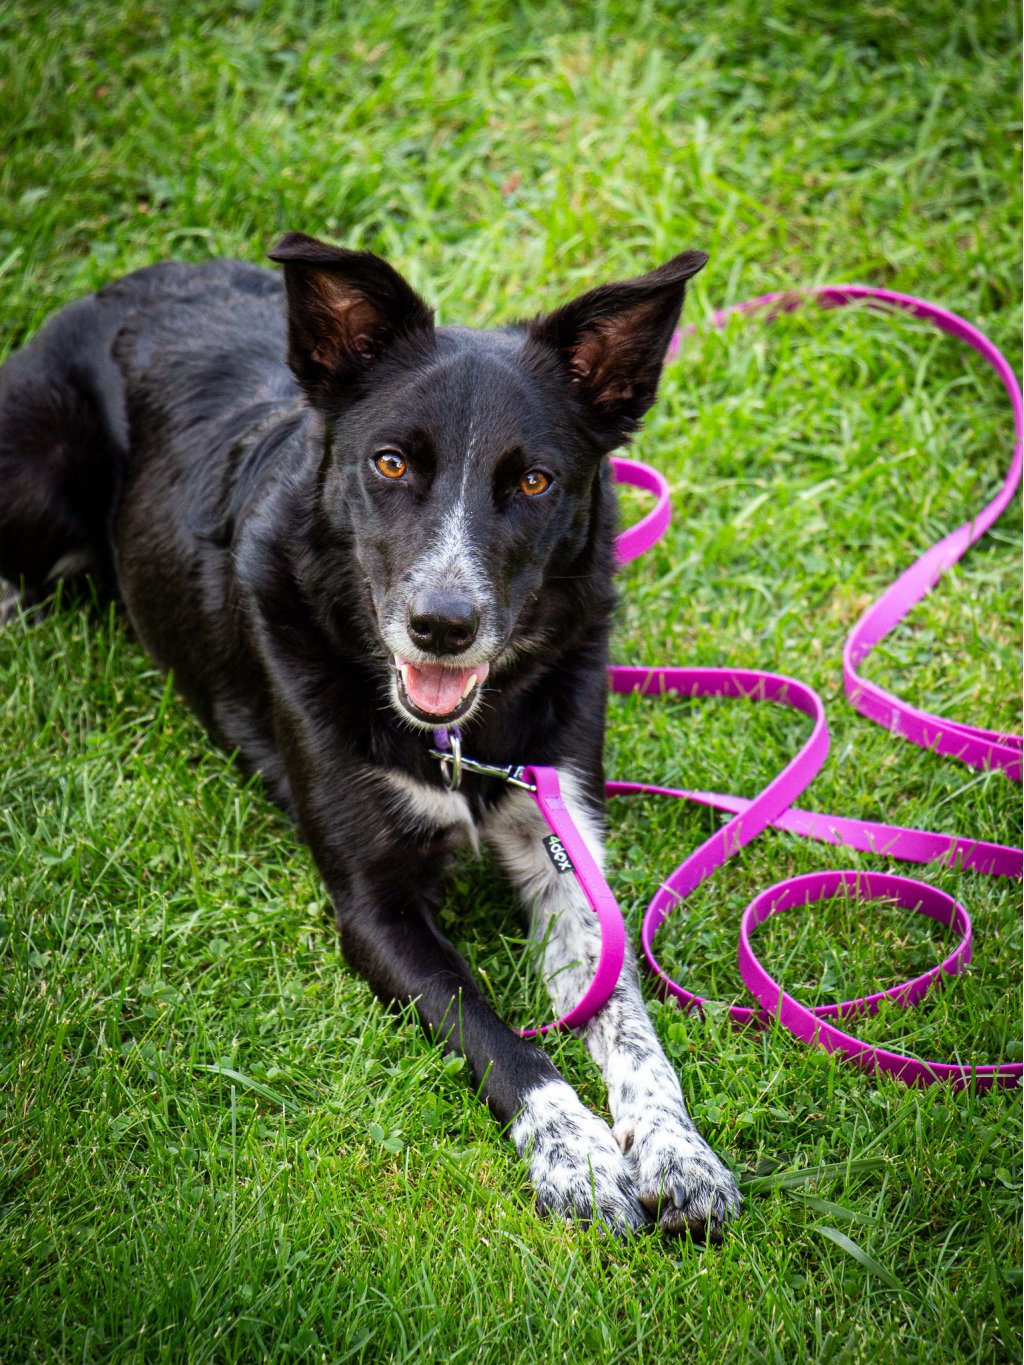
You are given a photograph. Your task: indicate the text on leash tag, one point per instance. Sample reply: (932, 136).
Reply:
(557, 853)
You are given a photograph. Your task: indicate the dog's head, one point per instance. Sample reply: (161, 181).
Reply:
(463, 467)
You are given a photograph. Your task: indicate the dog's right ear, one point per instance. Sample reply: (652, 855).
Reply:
(345, 308)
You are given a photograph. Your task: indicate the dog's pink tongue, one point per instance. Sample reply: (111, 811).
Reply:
(438, 690)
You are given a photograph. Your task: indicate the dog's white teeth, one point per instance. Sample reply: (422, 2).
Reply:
(469, 686)
(404, 672)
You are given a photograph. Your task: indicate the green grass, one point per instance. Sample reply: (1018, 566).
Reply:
(215, 1146)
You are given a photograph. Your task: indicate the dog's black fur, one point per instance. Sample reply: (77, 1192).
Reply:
(153, 436)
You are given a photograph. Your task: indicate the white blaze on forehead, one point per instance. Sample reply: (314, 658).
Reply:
(453, 560)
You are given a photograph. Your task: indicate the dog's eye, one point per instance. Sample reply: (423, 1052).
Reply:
(534, 482)
(391, 464)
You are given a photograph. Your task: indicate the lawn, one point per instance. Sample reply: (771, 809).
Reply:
(215, 1145)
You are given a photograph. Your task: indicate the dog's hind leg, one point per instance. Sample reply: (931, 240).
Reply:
(678, 1177)
(62, 443)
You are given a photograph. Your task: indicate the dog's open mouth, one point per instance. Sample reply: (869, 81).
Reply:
(437, 693)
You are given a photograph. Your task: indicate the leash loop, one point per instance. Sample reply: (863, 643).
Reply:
(773, 806)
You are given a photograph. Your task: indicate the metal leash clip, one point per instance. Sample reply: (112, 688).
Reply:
(454, 763)
(449, 751)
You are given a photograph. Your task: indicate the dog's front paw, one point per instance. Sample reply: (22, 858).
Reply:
(677, 1175)
(575, 1164)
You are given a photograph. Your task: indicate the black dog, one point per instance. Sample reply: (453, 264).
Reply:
(403, 527)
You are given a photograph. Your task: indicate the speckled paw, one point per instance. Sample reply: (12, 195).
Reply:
(680, 1181)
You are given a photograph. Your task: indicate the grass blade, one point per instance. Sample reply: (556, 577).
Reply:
(834, 1170)
(257, 1087)
(858, 1253)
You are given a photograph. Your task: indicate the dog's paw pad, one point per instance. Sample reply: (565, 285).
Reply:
(678, 1178)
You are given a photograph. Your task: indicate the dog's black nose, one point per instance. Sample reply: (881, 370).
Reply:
(443, 622)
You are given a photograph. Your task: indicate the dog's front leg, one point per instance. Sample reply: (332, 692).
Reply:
(389, 936)
(384, 889)
(678, 1177)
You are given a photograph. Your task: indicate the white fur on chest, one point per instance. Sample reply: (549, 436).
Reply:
(516, 830)
(430, 809)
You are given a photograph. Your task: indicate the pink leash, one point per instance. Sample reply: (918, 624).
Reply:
(774, 805)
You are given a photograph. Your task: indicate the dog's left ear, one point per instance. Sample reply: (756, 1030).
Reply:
(345, 308)
(612, 341)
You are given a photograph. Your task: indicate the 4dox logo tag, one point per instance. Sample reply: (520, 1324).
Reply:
(557, 853)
